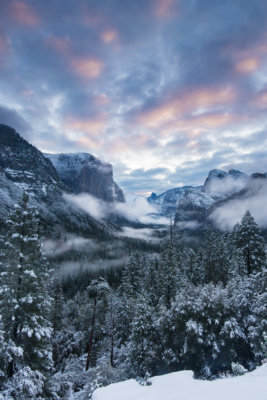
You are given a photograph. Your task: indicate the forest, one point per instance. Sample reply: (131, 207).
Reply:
(201, 307)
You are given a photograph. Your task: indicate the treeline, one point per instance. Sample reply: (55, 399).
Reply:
(198, 309)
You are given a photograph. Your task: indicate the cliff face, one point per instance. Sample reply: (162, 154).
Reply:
(84, 173)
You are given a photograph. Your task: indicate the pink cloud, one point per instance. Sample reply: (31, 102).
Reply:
(163, 8)
(247, 65)
(24, 14)
(93, 126)
(183, 104)
(109, 35)
(87, 67)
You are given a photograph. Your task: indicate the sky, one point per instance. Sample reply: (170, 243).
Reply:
(164, 90)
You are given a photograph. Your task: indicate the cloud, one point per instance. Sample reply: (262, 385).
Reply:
(13, 118)
(93, 206)
(56, 247)
(134, 84)
(109, 35)
(143, 234)
(227, 215)
(135, 209)
(24, 14)
(228, 185)
(184, 103)
(87, 67)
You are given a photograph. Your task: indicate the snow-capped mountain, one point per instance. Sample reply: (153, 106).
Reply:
(84, 173)
(191, 206)
(218, 185)
(166, 203)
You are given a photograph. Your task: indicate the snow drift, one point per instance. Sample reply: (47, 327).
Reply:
(182, 386)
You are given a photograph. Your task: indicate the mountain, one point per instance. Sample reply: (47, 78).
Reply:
(24, 168)
(225, 212)
(192, 206)
(84, 173)
(220, 184)
(166, 203)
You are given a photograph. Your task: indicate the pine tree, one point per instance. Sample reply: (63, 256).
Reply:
(25, 304)
(213, 263)
(250, 241)
(96, 288)
(169, 270)
(131, 277)
(142, 347)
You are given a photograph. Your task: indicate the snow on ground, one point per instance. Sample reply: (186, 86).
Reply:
(182, 386)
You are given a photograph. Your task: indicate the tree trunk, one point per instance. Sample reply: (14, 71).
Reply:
(248, 261)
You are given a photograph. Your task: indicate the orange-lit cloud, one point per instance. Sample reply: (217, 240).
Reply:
(127, 144)
(87, 67)
(195, 126)
(109, 35)
(24, 14)
(184, 104)
(88, 142)
(93, 126)
(248, 65)
(163, 8)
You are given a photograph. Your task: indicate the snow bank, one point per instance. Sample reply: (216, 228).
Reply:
(182, 386)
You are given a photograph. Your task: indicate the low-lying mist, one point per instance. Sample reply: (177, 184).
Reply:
(228, 214)
(137, 209)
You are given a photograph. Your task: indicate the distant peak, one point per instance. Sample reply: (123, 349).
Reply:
(152, 196)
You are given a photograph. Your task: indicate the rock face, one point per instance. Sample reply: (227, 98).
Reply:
(84, 173)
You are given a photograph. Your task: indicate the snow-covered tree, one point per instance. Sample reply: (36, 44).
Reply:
(142, 347)
(212, 260)
(25, 302)
(250, 241)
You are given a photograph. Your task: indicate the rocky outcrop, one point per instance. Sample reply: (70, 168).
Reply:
(84, 173)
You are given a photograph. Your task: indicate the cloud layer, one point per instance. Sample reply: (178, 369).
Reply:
(163, 89)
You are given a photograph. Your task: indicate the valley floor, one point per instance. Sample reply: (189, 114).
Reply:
(181, 386)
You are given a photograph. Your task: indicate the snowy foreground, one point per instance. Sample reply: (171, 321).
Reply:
(182, 386)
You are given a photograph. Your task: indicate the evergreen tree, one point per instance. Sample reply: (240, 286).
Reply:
(131, 277)
(142, 347)
(213, 262)
(250, 241)
(25, 302)
(169, 270)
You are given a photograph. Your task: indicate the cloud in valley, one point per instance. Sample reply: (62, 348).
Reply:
(135, 209)
(227, 215)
